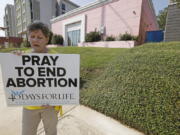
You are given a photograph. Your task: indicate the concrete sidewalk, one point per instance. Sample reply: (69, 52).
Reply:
(77, 120)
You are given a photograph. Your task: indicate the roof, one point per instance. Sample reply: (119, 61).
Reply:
(72, 3)
(81, 9)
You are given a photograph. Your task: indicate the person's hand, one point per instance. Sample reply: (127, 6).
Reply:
(18, 52)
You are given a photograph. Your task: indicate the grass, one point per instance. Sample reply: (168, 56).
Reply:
(141, 89)
(7, 50)
(93, 60)
(138, 86)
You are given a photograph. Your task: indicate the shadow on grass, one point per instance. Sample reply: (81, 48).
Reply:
(82, 83)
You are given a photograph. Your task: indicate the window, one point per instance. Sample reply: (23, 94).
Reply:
(73, 37)
(63, 6)
(32, 15)
(31, 5)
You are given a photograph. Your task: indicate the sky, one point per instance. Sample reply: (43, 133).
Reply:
(158, 5)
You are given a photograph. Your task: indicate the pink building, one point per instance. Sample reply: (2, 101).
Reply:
(110, 17)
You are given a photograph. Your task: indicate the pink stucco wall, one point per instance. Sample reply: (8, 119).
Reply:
(57, 27)
(118, 17)
(148, 20)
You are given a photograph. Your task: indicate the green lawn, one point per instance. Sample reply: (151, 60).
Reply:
(139, 87)
(7, 50)
(93, 60)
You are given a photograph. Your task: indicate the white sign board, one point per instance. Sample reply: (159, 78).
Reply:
(40, 79)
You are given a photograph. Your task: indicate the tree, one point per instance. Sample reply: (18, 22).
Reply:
(177, 1)
(161, 18)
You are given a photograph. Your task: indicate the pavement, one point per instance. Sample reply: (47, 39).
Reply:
(77, 120)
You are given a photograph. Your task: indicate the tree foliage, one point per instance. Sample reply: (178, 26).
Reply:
(177, 1)
(161, 18)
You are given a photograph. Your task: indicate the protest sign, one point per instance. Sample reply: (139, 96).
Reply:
(40, 79)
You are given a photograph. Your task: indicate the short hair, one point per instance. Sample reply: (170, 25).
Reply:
(39, 26)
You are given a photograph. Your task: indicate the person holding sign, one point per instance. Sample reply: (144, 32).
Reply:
(39, 36)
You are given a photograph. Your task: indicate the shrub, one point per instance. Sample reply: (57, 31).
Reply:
(57, 39)
(110, 38)
(1, 46)
(93, 37)
(128, 36)
(135, 38)
(9, 45)
(25, 43)
(50, 37)
(15, 45)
